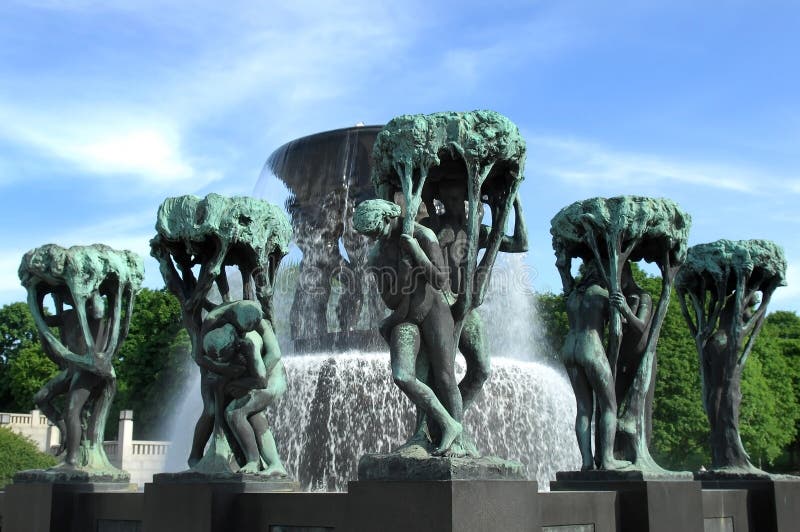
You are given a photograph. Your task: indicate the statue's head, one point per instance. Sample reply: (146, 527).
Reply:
(216, 342)
(591, 274)
(376, 217)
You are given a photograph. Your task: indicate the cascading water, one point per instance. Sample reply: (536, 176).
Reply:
(340, 407)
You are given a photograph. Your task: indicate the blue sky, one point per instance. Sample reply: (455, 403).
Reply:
(107, 107)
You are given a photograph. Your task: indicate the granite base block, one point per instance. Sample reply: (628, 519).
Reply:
(57, 506)
(79, 479)
(442, 506)
(201, 502)
(239, 482)
(565, 511)
(647, 504)
(725, 510)
(772, 502)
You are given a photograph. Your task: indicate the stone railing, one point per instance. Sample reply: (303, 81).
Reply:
(141, 458)
(150, 448)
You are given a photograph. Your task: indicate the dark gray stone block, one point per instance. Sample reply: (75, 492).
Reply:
(212, 498)
(773, 504)
(244, 482)
(46, 506)
(442, 506)
(645, 505)
(597, 511)
(290, 512)
(723, 509)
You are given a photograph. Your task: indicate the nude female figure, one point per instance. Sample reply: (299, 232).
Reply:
(584, 356)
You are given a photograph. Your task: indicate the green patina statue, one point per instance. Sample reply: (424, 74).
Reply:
(719, 290)
(92, 289)
(234, 345)
(433, 174)
(606, 302)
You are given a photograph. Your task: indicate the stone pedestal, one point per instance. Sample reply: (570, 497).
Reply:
(568, 511)
(442, 506)
(772, 501)
(49, 506)
(202, 503)
(648, 503)
(725, 511)
(421, 466)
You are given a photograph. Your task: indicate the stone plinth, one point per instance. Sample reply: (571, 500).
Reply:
(77, 479)
(648, 502)
(415, 463)
(597, 511)
(772, 500)
(725, 510)
(442, 506)
(200, 502)
(49, 506)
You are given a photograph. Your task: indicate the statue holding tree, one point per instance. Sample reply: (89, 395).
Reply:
(614, 327)
(92, 290)
(232, 337)
(724, 289)
(432, 175)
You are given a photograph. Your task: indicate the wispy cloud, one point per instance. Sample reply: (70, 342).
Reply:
(104, 146)
(142, 120)
(578, 162)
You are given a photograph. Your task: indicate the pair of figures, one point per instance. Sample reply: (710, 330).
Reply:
(233, 342)
(584, 354)
(419, 276)
(610, 351)
(243, 374)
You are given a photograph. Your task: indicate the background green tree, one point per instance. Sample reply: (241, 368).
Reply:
(19, 338)
(18, 453)
(153, 365)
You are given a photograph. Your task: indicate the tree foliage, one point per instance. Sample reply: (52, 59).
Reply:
(18, 453)
(22, 362)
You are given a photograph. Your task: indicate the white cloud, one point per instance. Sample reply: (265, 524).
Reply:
(106, 143)
(584, 163)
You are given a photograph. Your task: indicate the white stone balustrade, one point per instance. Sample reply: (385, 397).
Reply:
(141, 458)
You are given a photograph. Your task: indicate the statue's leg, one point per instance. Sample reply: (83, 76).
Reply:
(276, 386)
(403, 347)
(237, 414)
(583, 419)
(43, 399)
(205, 424)
(79, 391)
(472, 344)
(437, 333)
(103, 396)
(601, 380)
